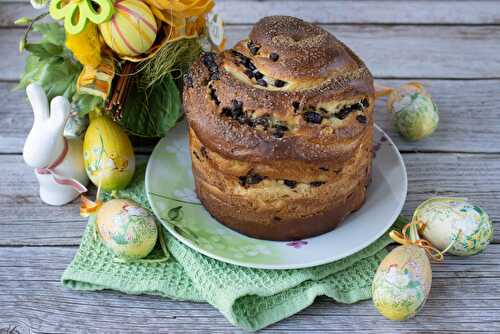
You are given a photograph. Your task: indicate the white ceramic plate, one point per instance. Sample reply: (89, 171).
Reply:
(170, 190)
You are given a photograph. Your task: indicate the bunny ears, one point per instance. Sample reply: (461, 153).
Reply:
(39, 103)
(46, 135)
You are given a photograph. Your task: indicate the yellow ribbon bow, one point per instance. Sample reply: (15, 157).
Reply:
(89, 207)
(403, 238)
(98, 65)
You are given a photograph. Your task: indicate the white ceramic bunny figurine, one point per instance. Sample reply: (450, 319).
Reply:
(58, 161)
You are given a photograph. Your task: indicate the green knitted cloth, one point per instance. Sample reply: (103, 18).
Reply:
(248, 298)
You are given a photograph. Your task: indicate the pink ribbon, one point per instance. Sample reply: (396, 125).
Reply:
(64, 181)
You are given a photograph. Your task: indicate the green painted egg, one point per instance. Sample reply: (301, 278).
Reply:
(126, 228)
(447, 219)
(415, 116)
(402, 282)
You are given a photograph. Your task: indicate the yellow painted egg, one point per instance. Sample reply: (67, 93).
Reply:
(456, 222)
(132, 29)
(126, 228)
(402, 282)
(108, 154)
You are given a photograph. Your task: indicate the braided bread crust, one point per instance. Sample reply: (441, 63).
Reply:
(281, 130)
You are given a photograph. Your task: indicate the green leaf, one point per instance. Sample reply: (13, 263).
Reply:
(52, 66)
(175, 213)
(413, 285)
(478, 210)
(120, 239)
(51, 32)
(44, 50)
(23, 21)
(30, 69)
(60, 78)
(57, 76)
(22, 45)
(185, 232)
(152, 112)
(85, 103)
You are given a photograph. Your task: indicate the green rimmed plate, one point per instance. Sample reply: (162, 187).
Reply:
(170, 191)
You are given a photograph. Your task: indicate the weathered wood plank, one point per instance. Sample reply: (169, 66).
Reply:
(11, 61)
(16, 118)
(416, 51)
(465, 297)
(365, 12)
(468, 110)
(344, 12)
(389, 51)
(469, 119)
(25, 220)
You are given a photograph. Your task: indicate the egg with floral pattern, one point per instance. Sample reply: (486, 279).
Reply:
(126, 228)
(402, 282)
(456, 222)
(415, 115)
(108, 154)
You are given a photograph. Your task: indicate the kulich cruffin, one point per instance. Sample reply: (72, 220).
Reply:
(281, 130)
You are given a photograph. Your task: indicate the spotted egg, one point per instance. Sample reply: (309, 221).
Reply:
(126, 228)
(402, 282)
(456, 222)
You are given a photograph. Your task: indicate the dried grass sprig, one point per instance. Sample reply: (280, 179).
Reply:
(172, 57)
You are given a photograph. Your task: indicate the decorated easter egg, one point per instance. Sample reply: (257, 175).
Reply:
(415, 115)
(455, 221)
(215, 27)
(108, 154)
(127, 229)
(76, 125)
(402, 282)
(132, 29)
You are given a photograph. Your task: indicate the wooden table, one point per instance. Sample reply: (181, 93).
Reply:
(451, 46)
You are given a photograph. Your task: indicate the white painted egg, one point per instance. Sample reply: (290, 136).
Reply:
(126, 228)
(402, 282)
(447, 219)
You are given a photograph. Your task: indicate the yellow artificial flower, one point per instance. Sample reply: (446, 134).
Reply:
(183, 16)
(172, 10)
(86, 46)
(192, 28)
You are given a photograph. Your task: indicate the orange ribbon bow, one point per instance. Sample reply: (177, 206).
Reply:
(404, 239)
(89, 207)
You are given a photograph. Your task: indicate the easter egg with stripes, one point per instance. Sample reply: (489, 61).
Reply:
(132, 29)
